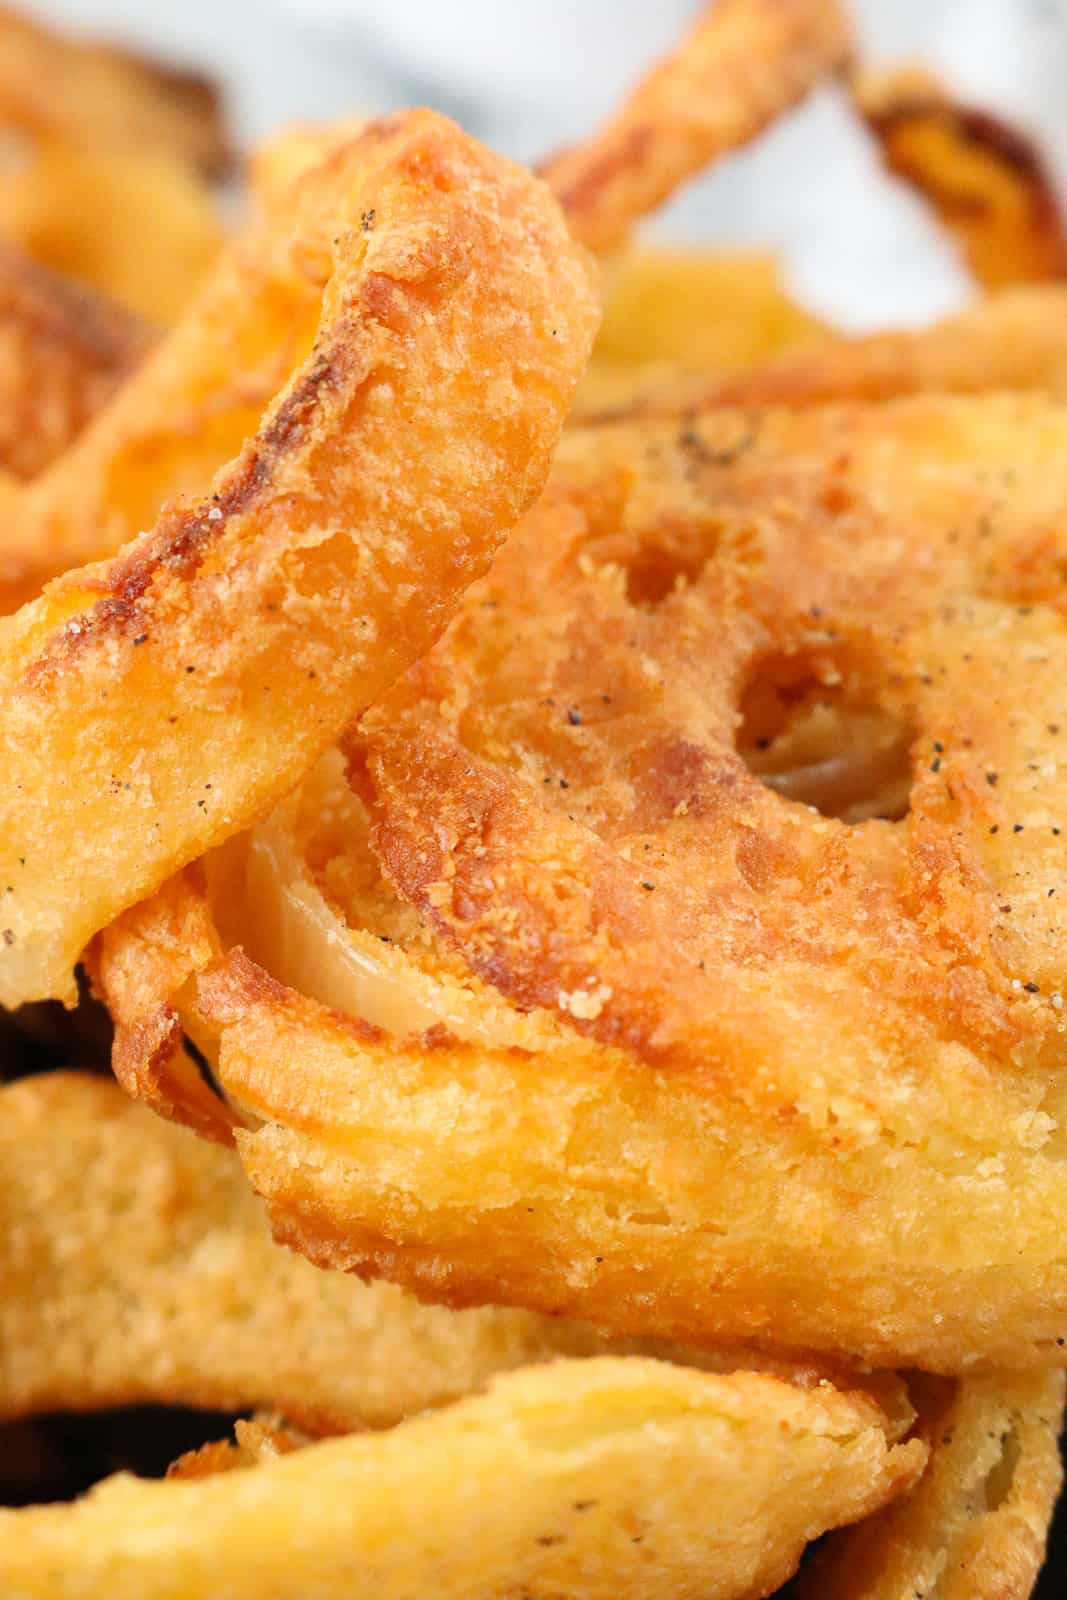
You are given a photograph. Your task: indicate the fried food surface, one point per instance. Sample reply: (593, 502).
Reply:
(98, 94)
(975, 1526)
(254, 1443)
(136, 1267)
(63, 352)
(1015, 339)
(741, 66)
(599, 1478)
(191, 681)
(986, 181)
(743, 1009)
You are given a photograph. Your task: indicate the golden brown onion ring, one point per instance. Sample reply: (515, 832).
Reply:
(871, 1055)
(63, 352)
(743, 63)
(581, 1478)
(136, 1267)
(100, 94)
(985, 180)
(254, 1443)
(975, 1526)
(189, 682)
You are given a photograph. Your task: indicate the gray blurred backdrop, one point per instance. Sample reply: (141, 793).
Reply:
(529, 74)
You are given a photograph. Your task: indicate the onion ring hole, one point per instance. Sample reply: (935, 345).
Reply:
(815, 732)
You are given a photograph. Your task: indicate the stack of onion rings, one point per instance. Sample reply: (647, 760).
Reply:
(673, 945)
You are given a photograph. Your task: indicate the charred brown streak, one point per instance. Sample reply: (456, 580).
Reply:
(180, 542)
(982, 131)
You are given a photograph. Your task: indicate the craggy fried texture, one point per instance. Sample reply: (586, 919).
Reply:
(136, 1267)
(98, 94)
(790, 1079)
(189, 682)
(63, 353)
(602, 1478)
(985, 181)
(137, 224)
(975, 1526)
(253, 1444)
(741, 66)
(1014, 339)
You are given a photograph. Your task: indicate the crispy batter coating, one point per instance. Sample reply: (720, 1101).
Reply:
(137, 224)
(985, 180)
(189, 682)
(790, 1078)
(743, 63)
(604, 1478)
(63, 352)
(136, 1267)
(1014, 339)
(975, 1526)
(99, 94)
(253, 1444)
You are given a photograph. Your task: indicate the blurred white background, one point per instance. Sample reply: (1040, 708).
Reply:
(530, 74)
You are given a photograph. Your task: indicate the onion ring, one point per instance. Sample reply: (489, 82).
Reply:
(192, 680)
(157, 1283)
(63, 352)
(975, 1526)
(89, 92)
(984, 179)
(742, 65)
(254, 1443)
(648, 1477)
(618, 1153)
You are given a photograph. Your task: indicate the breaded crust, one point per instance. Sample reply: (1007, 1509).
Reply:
(742, 65)
(190, 681)
(748, 1010)
(596, 1478)
(54, 83)
(985, 180)
(64, 351)
(975, 1526)
(136, 1267)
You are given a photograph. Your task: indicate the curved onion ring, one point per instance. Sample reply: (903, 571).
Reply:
(668, 1480)
(985, 180)
(188, 683)
(742, 65)
(976, 1525)
(157, 1282)
(853, 1088)
(63, 352)
(103, 95)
